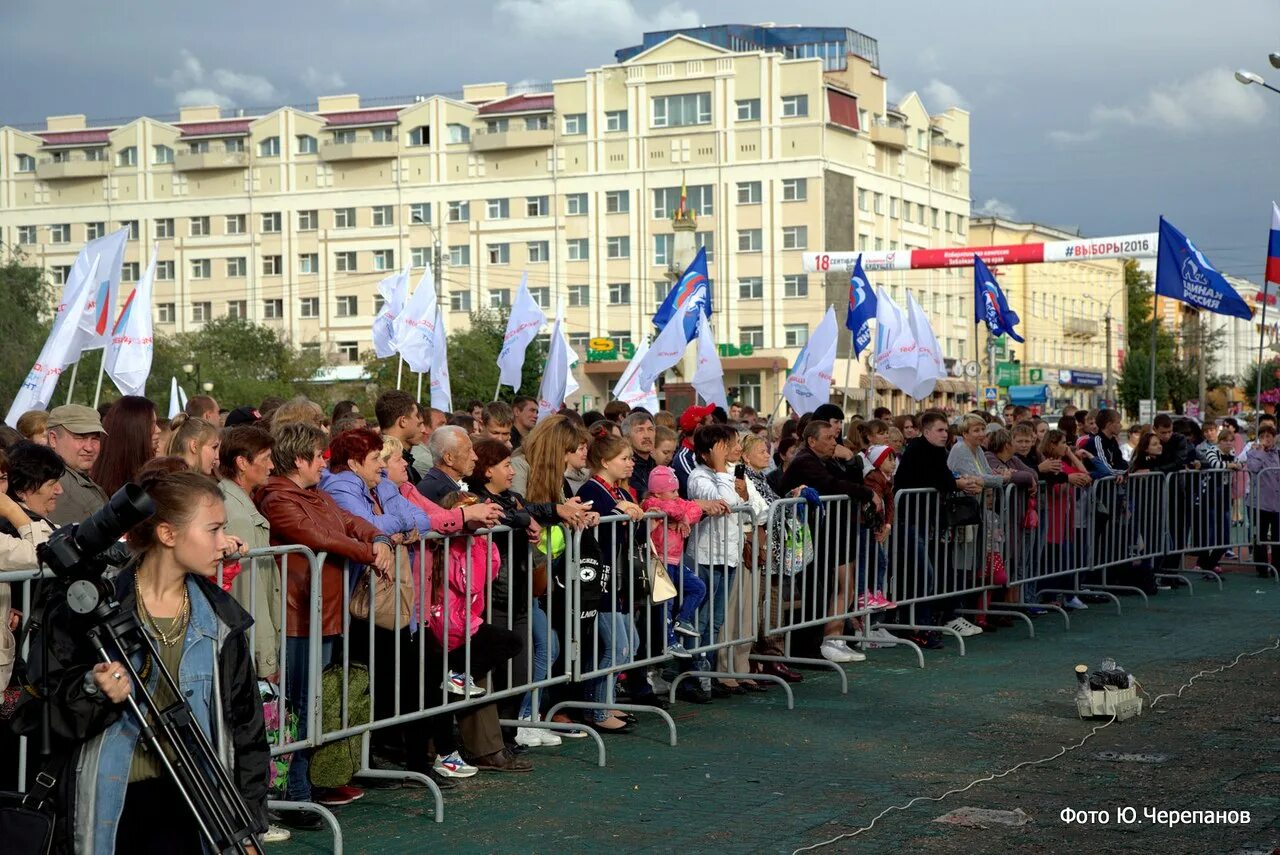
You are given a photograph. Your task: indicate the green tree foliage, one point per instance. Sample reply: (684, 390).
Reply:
(1270, 380)
(27, 298)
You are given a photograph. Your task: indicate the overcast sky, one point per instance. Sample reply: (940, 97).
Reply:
(1100, 115)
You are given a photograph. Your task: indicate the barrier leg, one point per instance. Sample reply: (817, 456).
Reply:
(367, 771)
(1097, 590)
(609, 705)
(1031, 630)
(919, 627)
(733, 675)
(323, 812)
(800, 660)
(561, 727)
(1049, 607)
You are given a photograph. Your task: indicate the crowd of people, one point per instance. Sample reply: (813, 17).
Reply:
(706, 493)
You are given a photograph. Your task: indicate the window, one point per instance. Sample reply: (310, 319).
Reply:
(61, 232)
(795, 237)
(748, 192)
(661, 288)
(129, 271)
(960, 223)
(459, 301)
(237, 268)
(578, 249)
(617, 201)
(575, 123)
(707, 241)
(199, 227)
(273, 310)
(579, 295)
(795, 335)
(749, 110)
(749, 240)
(667, 199)
(878, 202)
(384, 215)
(618, 247)
(499, 253)
(164, 270)
(344, 262)
(271, 222)
(751, 288)
(795, 105)
(344, 218)
(127, 156)
(201, 312)
(906, 210)
(933, 212)
(536, 123)
(93, 231)
(26, 163)
(272, 265)
(675, 111)
(893, 207)
(238, 309)
(164, 313)
(922, 142)
(309, 262)
(309, 307)
(615, 120)
(795, 189)
(920, 214)
(130, 226)
(620, 339)
(235, 224)
(460, 255)
(948, 221)
(161, 154)
(497, 126)
(306, 144)
(420, 135)
(579, 341)
(795, 285)
(344, 136)
(537, 206)
(497, 209)
(27, 234)
(879, 244)
(541, 296)
(234, 144)
(348, 351)
(619, 293)
(308, 221)
(420, 256)
(753, 336)
(459, 212)
(862, 200)
(384, 259)
(270, 147)
(382, 135)
(60, 273)
(201, 268)
(575, 204)
(663, 246)
(539, 251)
(458, 134)
(749, 389)
(420, 212)
(348, 307)
(499, 298)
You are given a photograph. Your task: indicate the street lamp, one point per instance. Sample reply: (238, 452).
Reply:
(192, 370)
(1274, 57)
(207, 386)
(1247, 77)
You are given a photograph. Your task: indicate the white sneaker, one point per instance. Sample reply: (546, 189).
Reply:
(276, 834)
(963, 628)
(835, 650)
(454, 766)
(533, 737)
(879, 637)
(1075, 603)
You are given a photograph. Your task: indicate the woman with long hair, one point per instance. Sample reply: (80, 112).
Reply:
(131, 429)
(196, 441)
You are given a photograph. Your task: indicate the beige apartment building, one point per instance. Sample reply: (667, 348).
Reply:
(292, 218)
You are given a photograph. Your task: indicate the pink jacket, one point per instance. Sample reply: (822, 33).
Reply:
(667, 539)
(465, 613)
(442, 522)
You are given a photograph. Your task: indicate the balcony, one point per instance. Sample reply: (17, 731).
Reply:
(889, 136)
(1079, 328)
(214, 157)
(519, 138)
(75, 165)
(945, 153)
(363, 147)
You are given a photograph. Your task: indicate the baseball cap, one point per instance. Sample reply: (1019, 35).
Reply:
(76, 418)
(693, 416)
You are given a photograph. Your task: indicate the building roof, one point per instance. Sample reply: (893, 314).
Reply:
(370, 116)
(524, 103)
(89, 136)
(217, 127)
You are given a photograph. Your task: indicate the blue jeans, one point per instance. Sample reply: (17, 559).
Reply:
(297, 688)
(692, 593)
(618, 638)
(546, 649)
(718, 579)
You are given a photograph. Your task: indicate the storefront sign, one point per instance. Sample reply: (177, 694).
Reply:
(1066, 377)
(1008, 373)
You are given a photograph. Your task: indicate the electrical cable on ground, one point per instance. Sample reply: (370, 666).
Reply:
(1061, 751)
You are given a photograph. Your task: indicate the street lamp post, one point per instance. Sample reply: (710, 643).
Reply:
(1247, 77)
(192, 370)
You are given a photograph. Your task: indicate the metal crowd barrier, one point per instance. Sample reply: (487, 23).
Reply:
(1262, 510)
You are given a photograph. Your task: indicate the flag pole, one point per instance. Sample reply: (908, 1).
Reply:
(848, 369)
(72, 385)
(419, 385)
(399, 372)
(496, 390)
(97, 392)
(1154, 331)
(1262, 335)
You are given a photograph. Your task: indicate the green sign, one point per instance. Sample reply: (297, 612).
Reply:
(735, 349)
(628, 351)
(1036, 375)
(1008, 373)
(1001, 349)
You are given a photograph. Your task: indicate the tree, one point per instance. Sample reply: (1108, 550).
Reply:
(27, 298)
(1270, 379)
(1135, 376)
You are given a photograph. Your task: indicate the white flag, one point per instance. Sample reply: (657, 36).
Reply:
(177, 397)
(523, 325)
(809, 384)
(896, 359)
(628, 391)
(97, 268)
(128, 356)
(393, 289)
(61, 348)
(441, 394)
(415, 325)
(557, 373)
(708, 377)
(929, 365)
(669, 346)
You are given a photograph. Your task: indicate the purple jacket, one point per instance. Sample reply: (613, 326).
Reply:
(398, 513)
(1023, 475)
(1264, 485)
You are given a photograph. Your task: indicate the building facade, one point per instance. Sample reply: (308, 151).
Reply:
(292, 218)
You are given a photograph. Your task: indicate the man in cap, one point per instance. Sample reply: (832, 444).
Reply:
(76, 433)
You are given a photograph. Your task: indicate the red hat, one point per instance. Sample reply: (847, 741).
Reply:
(694, 416)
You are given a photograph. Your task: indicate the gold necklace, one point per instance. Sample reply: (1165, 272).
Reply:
(178, 629)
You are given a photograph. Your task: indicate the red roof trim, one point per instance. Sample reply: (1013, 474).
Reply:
(363, 117)
(215, 128)
(520, 104)
(96, 136)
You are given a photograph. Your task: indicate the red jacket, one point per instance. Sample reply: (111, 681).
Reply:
(312, 518)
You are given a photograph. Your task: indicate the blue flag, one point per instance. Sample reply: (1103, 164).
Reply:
(862, 308)
(695, 279)
(990, 305)
(1183, 273)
